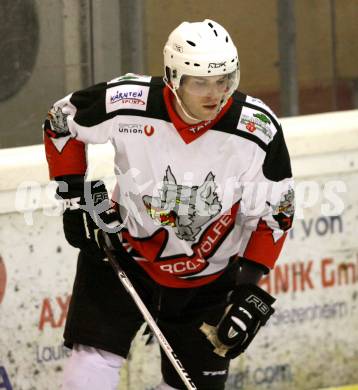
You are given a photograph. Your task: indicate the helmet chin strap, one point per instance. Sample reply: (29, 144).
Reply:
(181, 103)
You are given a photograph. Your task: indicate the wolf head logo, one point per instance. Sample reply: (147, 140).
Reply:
(284, 211)
(184, 208)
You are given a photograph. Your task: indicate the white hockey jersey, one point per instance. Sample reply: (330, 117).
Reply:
(191, 198)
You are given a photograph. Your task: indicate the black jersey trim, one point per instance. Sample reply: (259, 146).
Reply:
(228, 124)
(252, 138)
(154, 81)
(277, 165)
(90, 103)
(241, 97)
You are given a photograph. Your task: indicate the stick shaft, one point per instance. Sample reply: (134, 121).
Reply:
(149, 319)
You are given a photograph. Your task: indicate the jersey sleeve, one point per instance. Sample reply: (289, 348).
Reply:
(83, 115)
(65, 156)
(71, 123)
(267, 204)
(89, 117)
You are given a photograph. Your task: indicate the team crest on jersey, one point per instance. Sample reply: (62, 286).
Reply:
(186, 209)
(283, 212)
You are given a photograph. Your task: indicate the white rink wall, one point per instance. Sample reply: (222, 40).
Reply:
(312, 340)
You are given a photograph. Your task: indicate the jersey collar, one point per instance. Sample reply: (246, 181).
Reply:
(188, 132)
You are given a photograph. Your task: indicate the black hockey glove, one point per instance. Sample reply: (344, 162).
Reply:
(87, 209)
(249, 309)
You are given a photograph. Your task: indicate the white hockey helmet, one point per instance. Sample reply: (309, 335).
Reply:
(200, 49)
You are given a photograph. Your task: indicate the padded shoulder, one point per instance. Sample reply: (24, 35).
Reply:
(257, 119)
(126, 95)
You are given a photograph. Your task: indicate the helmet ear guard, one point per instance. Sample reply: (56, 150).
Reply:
(170, 74)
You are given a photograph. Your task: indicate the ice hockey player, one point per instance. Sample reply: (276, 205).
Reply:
(200, 211)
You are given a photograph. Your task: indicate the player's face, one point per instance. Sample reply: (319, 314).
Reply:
(202, 96)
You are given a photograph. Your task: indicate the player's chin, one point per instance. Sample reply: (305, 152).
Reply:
(208, 117)
(208, 114)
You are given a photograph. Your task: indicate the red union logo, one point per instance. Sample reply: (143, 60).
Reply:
(2, 279)
(148, 130)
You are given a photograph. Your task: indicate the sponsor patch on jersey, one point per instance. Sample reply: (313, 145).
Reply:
(136, 128)
(127, 97)
(258, 124)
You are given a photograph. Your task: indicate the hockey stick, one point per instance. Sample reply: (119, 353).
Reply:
(147, 316)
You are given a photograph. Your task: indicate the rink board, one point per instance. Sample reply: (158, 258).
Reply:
(311, 341)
